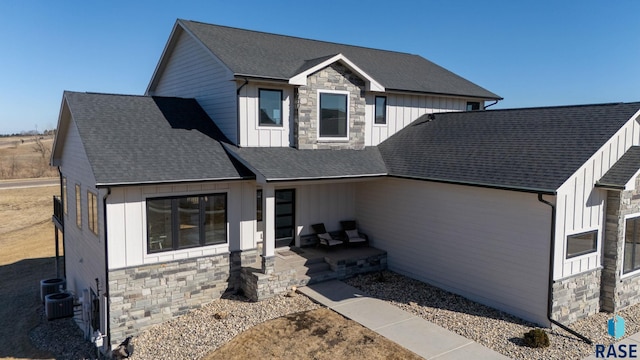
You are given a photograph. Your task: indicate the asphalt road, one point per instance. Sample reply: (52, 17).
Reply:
(27, 183)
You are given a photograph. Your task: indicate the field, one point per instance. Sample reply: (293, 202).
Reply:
(24, 157)
(27, 256)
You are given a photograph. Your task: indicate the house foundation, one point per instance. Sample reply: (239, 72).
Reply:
(576, 297)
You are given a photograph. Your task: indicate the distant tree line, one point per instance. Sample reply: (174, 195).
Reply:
(31, 133)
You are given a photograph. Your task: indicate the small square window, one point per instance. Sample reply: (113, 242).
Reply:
(580, 244)
(473, 105)
(381, 110)
(270, 107)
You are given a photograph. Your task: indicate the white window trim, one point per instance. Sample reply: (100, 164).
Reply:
(283, 104)
(596, 252)
(386, 109)
(333, 139)
(624, 231)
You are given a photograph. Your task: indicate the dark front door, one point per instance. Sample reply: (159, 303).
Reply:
(285, 216)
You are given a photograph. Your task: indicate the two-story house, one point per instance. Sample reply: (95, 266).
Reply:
(245, 139)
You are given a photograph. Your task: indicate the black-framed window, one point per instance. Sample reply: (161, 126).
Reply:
(186, 222)
(92, 211)
(334, 115)
(631, 245)
(381, 110)
(473, 105)
(580, 244)
(270, 107)
(259, 205)
(78, 207)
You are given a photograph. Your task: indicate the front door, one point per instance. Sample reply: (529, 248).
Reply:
(285, 217)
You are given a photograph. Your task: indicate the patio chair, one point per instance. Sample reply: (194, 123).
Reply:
(353, 236)
(324, 238)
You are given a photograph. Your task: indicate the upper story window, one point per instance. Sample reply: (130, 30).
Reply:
(580, 244)
(78, 207)
(92, 211)
(186, 222)
(270, 107)
(473, 105)
(333, 115)
(64, 196)
(381, 110)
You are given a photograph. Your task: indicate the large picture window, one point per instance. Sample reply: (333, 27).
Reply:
(333, 115)
(381, 110)
(270, 107)
(580, 244)
(631, 245)
(186, 222)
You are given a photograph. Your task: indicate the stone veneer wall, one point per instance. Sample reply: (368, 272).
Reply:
(151, 294)
(576, 297)
(617, 292)
(333, 77)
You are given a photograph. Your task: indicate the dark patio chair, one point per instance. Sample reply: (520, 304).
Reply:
(324, 237)
(351, 233)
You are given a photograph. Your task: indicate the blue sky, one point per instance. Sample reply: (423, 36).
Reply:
(535, 53)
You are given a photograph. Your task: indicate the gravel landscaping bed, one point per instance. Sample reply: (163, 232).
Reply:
(492, 328)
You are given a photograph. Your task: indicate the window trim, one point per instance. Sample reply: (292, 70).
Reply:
(268, 125)
(174, 216)
(595, 232)
(472, 103)
(635, 271)
(78, 206)
(92, 211)
(375, 111)
(348, 97)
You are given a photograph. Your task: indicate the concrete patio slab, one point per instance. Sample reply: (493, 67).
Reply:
(332, 293)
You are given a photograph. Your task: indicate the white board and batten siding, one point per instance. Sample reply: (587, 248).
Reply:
(252, 134)
(402, 109)
(581, 207)
(127, 221)
(491, 246)
(84, 250)
(193, 72)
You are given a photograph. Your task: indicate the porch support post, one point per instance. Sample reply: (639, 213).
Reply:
(269, 238)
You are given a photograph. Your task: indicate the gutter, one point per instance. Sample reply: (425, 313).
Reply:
(106, 293)
(551, 261)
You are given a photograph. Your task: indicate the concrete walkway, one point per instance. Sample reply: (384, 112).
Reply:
(414, 333)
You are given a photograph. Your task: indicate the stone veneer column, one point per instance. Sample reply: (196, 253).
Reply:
(618, 292)
(333, 77)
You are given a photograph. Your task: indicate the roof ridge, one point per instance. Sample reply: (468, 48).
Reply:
(543, 107)
(301, 38)
(126, 95)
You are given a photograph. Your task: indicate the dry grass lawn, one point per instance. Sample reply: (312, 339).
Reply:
(316, 334)
(28, 248)
(23, 157)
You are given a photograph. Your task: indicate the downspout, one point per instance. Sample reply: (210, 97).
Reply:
(485, 108)
(64, 250)
(551, 263)
(246, 81)
(106, 293)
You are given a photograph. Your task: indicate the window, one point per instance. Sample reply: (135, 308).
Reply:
(259, 205)
(631, 245)
(580, 244)
(381, 110)
(186, 222)
(270, 107)
(64, 195)
(78, 207)
(333, 115)
(92, 210)
(473, 105)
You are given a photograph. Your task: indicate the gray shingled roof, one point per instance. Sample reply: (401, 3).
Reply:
(535, 149)
(252, 53)
(277, 164)
(623, 170)
(142, 139)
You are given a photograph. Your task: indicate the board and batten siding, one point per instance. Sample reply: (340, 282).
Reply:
(193, 72)
(581, 207)
(491, 246)
(127, 222)
(402, 109)
(254, 135)
(84, 250)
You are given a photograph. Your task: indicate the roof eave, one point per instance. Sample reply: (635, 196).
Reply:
(331, 177)
(177, 181)
(482, 185)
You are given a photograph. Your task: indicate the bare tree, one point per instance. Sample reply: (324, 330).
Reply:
(40, 147)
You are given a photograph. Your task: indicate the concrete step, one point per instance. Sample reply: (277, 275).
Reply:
(322, 276)
(317, 267)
